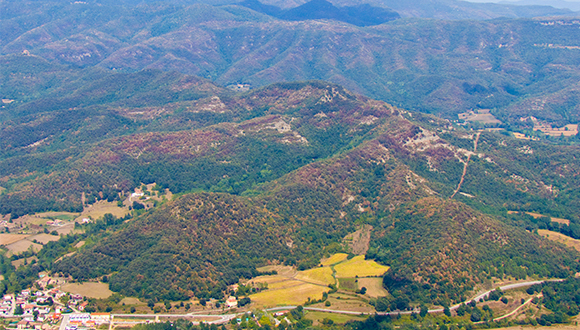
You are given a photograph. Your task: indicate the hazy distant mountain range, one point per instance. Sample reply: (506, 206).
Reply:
(574, 6)
(517, 68)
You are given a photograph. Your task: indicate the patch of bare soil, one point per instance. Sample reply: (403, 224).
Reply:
(358, 242)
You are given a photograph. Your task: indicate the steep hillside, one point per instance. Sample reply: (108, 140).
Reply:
(516, 68)
(443, 246)
(384, 169)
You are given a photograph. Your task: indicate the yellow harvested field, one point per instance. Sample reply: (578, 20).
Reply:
(6, 239)
(90, 289)
(321, 275)
(44, 238)
(23, 245)
(100, 208)
(374, 286)
(557, 237)
(268, 279)
(334, 259)
(295, 295)
(284, 285)
(360, 267)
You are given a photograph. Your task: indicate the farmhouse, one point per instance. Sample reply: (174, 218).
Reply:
(232, 302)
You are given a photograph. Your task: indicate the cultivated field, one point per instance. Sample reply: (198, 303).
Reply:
(90, 289)
(334, 259)
(294, 295)
(291, 287)
(374, 286)
(360, 267)
(347, 283)
(66, 229)
(6, 239)
(23, 245)
(45, 238)
(557, 237)
(286, 284)
(321, 275)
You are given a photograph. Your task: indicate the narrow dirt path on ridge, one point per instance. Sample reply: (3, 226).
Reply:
(465, 166)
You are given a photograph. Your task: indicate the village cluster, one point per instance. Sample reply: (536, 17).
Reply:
(44, 308)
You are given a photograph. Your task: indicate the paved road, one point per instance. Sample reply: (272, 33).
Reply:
(64, 322)
(224, 318)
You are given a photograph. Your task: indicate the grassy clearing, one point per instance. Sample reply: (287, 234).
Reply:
(374, 286)
(317, 317)
(295, 295)
(32, 220)
(131, 301)
(6, 239)
(334, 259)
(100, 208)
(347, 284)
(360, 267)
(90, 289)
(65, 216)
(321, 275)
(346, 303)
(45, 238)
(557, 237)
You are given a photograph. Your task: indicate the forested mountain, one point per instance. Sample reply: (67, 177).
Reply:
(317, 163)
(516, 68)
